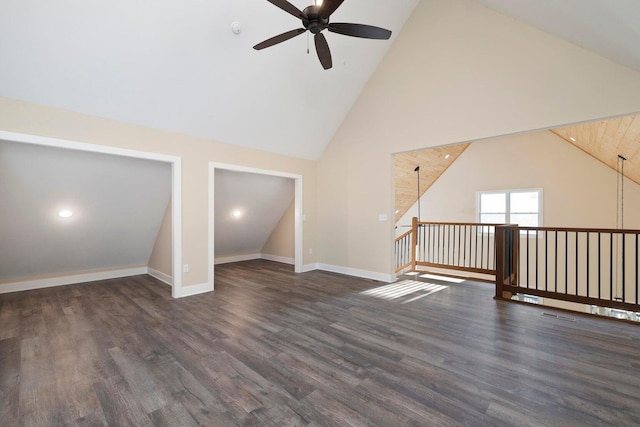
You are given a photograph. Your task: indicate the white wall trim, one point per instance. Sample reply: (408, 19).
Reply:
(237, 258)
(277, 258)
(365, 274)
(298, 223)
(176, 183)
(249, 257)
(191, 290)
(176, 226)
(164, 278)
(310, 267)
(83, 146)
(73, 279)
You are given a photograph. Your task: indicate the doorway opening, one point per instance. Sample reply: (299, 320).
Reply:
(244, 183)
(176, 199)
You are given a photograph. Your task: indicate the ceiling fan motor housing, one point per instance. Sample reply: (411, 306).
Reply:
(314, 22)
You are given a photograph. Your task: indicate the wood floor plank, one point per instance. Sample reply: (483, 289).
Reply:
(10, 381)
(273, 348)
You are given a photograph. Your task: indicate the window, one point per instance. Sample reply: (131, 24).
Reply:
(521, 207)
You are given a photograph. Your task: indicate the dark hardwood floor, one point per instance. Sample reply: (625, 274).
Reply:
(272, 348)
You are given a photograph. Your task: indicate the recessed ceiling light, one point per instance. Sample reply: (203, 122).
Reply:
(236, 213)
(572, 139)
(397, 211)
(447, 156)
(65, 213)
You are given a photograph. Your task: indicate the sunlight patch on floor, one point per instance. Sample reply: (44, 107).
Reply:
(442, 278)
(404, 288)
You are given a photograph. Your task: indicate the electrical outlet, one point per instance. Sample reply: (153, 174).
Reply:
(185, 268)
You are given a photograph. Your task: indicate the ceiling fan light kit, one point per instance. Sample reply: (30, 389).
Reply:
(315, 18)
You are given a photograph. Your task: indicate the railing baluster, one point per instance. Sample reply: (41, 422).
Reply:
(624, 269)
(475, 263)
(566, 262)
(555, 262)
(611, 268)
(439, 229)
(577, 234)
(464, 248)
(537, 265)
(518, 254)
(459, 238)
(493, 249)
(488, 242)
(588, 271)
(449, 256)
(528, 262)
(546, 260)
(599, 265)
(427, 254)
(482, 249)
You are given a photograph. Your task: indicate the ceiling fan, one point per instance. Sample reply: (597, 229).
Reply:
(315, 18)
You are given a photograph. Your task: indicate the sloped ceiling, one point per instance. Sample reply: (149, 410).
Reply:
(606, 27)
(177, 66)
(606, 139)
(118, 204)
(433, 163)
(261, 200)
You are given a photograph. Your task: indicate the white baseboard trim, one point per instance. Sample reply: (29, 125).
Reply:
(201, 288)
(365, 274)
(236, 258)
(28, 285)
(277, 258)
(164, 278)
(310, 267)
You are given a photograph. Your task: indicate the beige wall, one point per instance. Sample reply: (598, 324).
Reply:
(196, 153)
(578, 190)
(457, 72)
(161, 256)
(281, 242)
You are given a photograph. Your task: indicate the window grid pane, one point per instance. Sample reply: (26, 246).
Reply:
(517, 207)
(493, 203)
(524, 202)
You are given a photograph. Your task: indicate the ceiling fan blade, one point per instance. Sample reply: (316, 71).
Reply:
(329, 6)
(322, 48)
(279, 38)
(289, 8)
(360, 30)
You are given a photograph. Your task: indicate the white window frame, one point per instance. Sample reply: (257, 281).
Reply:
(508, 202)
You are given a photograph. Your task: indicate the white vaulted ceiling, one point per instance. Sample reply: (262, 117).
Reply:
(177, 66)
(606, 27)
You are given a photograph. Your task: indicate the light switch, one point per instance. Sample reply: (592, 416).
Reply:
(382, 217)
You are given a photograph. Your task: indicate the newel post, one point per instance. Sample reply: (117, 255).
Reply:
(506, 253)
(414, 242)
(500, 257)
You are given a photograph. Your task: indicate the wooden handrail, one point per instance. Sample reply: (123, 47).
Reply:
(581, 230)
(477, 224)
(403, 235)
